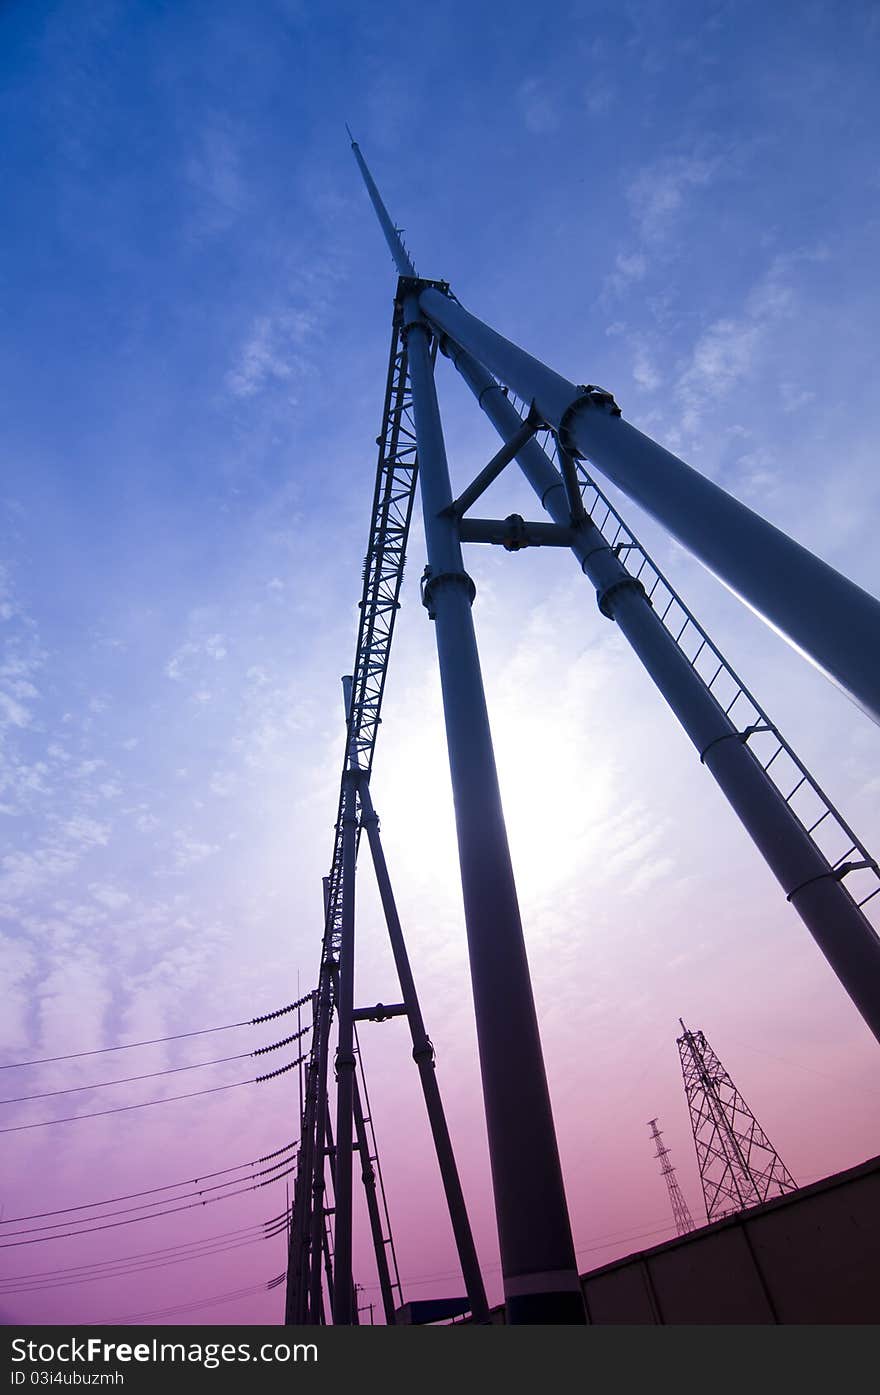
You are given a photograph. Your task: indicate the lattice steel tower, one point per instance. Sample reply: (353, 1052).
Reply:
(739, 1167)
(684, 1221)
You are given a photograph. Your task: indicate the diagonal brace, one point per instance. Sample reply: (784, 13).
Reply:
(490, 472)
(572, 486)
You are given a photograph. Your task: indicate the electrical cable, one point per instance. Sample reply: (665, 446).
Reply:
(150, 1191)
(142, 1254)
(156, 1041)
(154, 1074)
(122, 1272)
(133, 1220)
(187, 1307)
(145, 1205)
(146, 1104)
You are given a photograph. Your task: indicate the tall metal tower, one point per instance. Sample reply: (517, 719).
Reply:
(551, 427)
(739, 1167)
(684, 1221)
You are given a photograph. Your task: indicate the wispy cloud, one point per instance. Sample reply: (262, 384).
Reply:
(728, 352)
(645, 370)
(214, 171)
(629, 268)
(187, 659)
(658, 192)
(264, 358)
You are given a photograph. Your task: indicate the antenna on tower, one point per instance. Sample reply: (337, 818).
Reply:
(684, 1221)
(739, 1167)
(400, 256)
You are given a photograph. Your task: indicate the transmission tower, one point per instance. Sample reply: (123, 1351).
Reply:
(684, 1221)
(551, 427)
(739, 1167)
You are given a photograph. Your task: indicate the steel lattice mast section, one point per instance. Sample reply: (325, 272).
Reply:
(539, 1269)
(383, 572)
(383, 575)
(684, 1221)
(738, 1165)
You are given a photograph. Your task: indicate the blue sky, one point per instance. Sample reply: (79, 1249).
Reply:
(676, 200)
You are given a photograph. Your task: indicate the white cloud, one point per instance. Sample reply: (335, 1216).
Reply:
(12, 713)
(87, 832)
(794, 396)
(657, 193)
(728, 352)
(188, 850)
(109, 896)
(645, 371)
(222, 782)
(270, 353)
(214, 174)
(628, 268)
(185, 658)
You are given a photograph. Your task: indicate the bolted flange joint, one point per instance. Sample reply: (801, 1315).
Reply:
(590, 396)
(424, 1051)
(515, 538)
(429, 582)
(626, 583)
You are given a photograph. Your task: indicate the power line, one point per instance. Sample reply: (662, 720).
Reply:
(122, 1108)
(121, 1272)
(266, 1226)
(154, 1074)
(146, 1104)
(126, 1080)
(229, 1297)
(157, 1041)
(133, 1220)
(286, 1163)
(150, 1191)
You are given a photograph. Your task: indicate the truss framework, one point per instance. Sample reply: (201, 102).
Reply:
(391, 516)
(739, 1167)
(684, 1221)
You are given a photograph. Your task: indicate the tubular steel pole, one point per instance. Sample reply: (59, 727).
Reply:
(369, 1180)
(325, 1239)
(345, 1067)
(294, 1296)
(392, 236)
(423, 1055)
(537, 1255)
(842, 931)
(825, 616)
(312, 1291)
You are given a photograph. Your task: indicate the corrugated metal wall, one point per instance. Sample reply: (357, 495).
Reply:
(810, 1257)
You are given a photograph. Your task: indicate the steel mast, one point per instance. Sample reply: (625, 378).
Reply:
(684, 1221)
